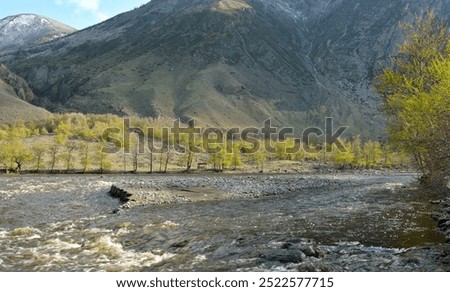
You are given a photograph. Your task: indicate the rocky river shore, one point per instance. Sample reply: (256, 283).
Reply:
(222, 222)
(303, 254)
(158, 190)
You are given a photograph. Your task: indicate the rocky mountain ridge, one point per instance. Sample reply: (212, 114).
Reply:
(14, 97)
(227, 62)
(27, 30)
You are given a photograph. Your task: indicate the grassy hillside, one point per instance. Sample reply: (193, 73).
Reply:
(13, 109)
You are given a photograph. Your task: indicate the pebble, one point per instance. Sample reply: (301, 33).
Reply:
(157, 190)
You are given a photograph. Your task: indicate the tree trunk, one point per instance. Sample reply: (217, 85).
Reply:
(151, 162)
(167, 160)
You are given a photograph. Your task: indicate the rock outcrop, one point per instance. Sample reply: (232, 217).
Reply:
(18, 84)
(120, 194)
(14, 96)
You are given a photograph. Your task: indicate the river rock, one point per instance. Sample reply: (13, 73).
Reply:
(294, 252)
(311, 251)
(120, 194)
(308, 247)
(444, 223)
(313, 268)
(284, 256)
(181, 244)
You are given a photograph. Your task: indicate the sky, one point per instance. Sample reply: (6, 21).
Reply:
(76, 13)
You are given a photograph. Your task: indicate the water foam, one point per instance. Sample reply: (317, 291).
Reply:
(67, 249)
(111, 256)
(169, 224)
(106, 247)
(25, 232)
(199, 258)
(58, 244)
(4, 195)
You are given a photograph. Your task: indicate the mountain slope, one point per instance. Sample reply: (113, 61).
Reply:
(13, 95)
(26, 30)
(226, 62)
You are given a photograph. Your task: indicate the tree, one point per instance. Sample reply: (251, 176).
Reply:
(168, 141)
(17, 154)
(215, 157)
(387, 155)
(260, 158)
(236, 158)
(135, 157)
(161, 159)
(150, 160)
(124, 161)
(416, 90)
(38, 154)
(5, 156)
(344, 158)
(19, 131)
(69, 147)
(54, 157)
(86, 160)
(58, 141)
(189, 143)
(63, 132)
(356, 151)
(102, 159)
(372, 153)
(219, 158)
(190, 154)
(169, 149)
(43, 131)
(3, 134)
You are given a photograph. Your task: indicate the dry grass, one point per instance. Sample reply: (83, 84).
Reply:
(229, 6)
(13, 109)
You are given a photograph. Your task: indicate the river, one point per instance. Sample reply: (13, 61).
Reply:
(67, 223)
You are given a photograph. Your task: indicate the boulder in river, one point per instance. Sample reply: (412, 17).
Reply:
(293, 252)
(120, 194)
(284, 256)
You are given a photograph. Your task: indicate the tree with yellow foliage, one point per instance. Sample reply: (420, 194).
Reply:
(416, 90)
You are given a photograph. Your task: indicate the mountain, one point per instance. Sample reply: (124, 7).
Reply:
(227, 62)
(14, 94)
(26, 30)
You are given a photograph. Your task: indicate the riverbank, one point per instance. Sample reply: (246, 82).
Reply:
(170, 189)
(304, 255)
